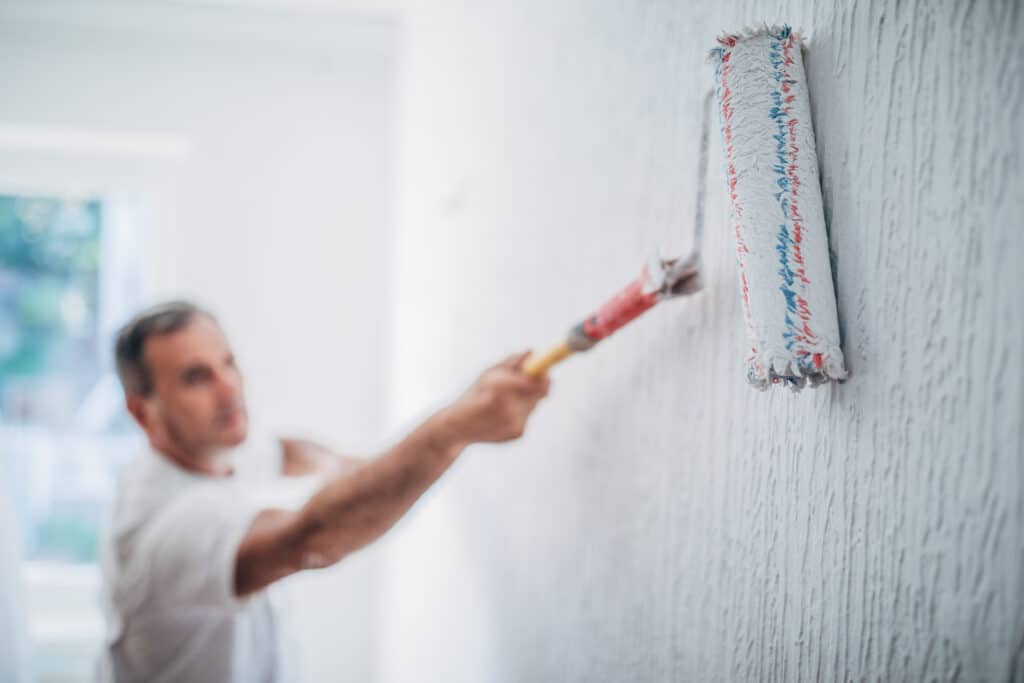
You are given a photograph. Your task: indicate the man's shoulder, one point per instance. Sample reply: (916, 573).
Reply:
(178, 527)
(152, 497)
(146, 488)
(145, 484)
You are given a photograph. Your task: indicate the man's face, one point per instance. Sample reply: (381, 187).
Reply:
(197, 403)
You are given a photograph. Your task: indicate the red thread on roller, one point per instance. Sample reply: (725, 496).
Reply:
(619, 310)
(725, 99)
(807, 337)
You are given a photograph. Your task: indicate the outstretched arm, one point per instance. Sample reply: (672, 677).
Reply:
(354, 509)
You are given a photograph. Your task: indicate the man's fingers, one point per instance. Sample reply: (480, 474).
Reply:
(540, 386)
(520, 383)
(510, 372)
(515, 361)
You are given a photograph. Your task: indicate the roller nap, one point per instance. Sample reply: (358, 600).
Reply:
(776, 210)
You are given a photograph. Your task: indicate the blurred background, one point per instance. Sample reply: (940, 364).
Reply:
(239, 154)
(379, 198)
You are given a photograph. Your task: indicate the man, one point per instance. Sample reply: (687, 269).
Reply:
(193, 553)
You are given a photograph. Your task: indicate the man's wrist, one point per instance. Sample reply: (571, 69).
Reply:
(446, 432)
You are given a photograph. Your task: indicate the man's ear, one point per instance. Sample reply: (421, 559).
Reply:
(136, 405)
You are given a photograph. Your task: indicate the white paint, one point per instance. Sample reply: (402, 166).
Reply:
(775, 210)
(660, 521)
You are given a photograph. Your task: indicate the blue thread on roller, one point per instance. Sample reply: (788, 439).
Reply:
(778, 114)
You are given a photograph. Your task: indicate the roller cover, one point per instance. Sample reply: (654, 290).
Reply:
(776, 211)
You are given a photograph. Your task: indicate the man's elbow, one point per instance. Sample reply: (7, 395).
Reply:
(318, 544)
(272, 549)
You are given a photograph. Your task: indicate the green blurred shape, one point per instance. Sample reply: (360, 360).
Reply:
(67, 539)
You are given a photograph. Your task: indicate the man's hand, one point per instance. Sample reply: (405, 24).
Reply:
(355, 509)
(495, 408)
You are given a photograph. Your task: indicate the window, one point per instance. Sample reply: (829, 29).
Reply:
(66, 281)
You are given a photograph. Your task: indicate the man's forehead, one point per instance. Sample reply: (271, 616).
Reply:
(199, 341)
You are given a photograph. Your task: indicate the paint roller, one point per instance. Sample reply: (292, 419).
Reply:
(776, 212)
(776, 215)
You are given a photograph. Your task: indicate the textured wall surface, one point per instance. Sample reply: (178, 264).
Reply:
(661, 520)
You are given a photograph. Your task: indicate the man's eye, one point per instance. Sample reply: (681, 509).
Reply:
(193, 377)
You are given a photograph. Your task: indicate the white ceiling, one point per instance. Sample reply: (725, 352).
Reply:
(364, 8)
(113, 13)
(322, 26)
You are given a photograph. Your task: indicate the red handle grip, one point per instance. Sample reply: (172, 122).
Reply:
(625, 306)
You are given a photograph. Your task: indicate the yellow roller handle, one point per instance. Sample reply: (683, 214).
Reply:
(539, 363)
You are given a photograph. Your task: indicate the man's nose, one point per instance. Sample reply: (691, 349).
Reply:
(228, 386)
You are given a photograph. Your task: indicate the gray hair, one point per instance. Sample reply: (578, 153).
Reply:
(129, 350)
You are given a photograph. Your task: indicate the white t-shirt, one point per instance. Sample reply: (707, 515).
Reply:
(168, 573)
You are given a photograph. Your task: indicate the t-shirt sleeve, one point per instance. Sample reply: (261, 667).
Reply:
(192, 548)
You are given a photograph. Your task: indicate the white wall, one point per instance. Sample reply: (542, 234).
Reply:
(260, 141)
(14, 656)
(661, 520)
